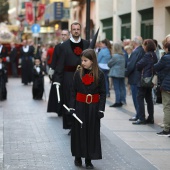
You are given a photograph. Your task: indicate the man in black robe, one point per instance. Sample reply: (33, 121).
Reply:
(13, 59)
(53, 105)
(67, 65)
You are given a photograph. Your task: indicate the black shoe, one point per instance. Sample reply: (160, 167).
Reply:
(116, 105)
(139, 122)
(88, 163)
(149, 121)
(164, 133)
(133, 119)
(69, 133)
(78, 162)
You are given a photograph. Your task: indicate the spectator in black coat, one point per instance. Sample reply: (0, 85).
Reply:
(145, 66)
(163, 69)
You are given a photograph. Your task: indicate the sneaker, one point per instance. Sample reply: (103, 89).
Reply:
(163, 133)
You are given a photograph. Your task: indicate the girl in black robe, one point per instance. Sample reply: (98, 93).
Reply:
(38, 80)
(88, 99)
(3, 71)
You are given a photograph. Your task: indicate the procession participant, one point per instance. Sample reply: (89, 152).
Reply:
(38, 80)
(67, 64)
(53, 105)
(3, 91)
(26, 63)
(4, 55)
(13, 59)
(88, 99)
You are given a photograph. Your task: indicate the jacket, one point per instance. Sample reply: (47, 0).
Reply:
(145, 65)
(163, 69)
(117, 66)
(131, 71)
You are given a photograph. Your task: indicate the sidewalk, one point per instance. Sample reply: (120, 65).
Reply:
(32, 139)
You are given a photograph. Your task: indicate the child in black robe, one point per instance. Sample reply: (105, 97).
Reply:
(88, 99)
(3, 71)
(38, 80)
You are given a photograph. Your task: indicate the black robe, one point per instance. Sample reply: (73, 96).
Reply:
(53, 105)
(3, 91)
(38, 84)
(67, 63)
(26, 65)
(85, 141)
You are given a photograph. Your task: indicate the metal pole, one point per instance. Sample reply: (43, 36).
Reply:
(88, 20)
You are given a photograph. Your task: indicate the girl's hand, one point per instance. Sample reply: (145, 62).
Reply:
(100, 114)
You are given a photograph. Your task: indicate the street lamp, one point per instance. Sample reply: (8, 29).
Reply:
(35, 15)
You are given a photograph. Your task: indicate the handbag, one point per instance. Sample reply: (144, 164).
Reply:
(147, 81)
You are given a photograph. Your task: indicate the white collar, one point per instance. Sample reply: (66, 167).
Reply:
(25, 49)
(1, 46)
(74, 41)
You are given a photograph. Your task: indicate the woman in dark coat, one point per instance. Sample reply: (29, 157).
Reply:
(26, 54)
(88, 99)
(145, 66)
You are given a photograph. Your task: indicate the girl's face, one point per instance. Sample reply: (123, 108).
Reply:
(86, 63)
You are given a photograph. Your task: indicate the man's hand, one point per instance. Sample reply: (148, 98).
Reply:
(100, 114)
(50, 72)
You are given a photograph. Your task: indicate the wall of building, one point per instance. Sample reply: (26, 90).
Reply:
(161, 19)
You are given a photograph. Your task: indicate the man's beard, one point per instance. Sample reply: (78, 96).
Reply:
(75, 36)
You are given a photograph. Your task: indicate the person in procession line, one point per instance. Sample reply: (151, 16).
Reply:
(27, 54)
(88, 99)
(13, 59)
(38, 80)
(67, 65)
(3, 91)
(53, 105)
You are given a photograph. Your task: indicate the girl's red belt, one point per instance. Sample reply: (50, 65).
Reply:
(87, 98)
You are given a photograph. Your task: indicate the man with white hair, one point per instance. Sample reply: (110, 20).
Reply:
(132, 73)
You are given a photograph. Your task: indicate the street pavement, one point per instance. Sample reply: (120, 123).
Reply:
(32, 139)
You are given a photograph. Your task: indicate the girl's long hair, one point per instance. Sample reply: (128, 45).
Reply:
(91, 55)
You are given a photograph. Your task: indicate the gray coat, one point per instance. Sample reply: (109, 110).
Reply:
(117, 66)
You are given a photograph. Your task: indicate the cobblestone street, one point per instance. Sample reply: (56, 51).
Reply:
(32, 139)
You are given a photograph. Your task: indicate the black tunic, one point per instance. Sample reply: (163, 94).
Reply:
(53, 105)
(3, 91)
(38, 84)
(85, 141)
(26, 65)
(67, 63)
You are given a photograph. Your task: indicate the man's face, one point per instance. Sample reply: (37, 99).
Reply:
(64, 35)
(75, 31)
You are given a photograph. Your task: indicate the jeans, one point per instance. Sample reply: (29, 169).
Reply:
(106, 81)
(120, 89)
(134, 91)
(145, 93)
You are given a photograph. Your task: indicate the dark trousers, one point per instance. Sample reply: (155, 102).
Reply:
(145, 93)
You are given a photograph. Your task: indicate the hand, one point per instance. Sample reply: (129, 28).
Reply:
(71, 111)
(100, 114)
(56, 83)
(50, 72)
